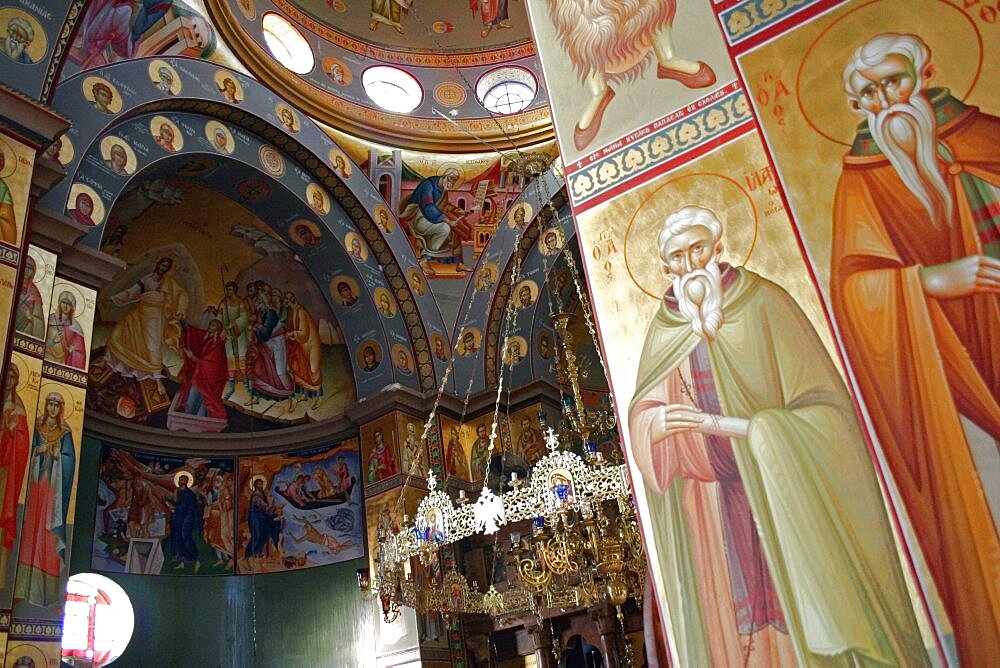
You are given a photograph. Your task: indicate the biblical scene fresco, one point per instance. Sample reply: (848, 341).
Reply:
(604, 64)
(886, 143)
(450, 206)
(717, 407)
(50, 495)
(434, 25)
(215, 325)
(111, 31)
(159, 514)
(301, 509)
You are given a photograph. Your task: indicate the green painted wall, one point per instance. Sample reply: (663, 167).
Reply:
(314, 617)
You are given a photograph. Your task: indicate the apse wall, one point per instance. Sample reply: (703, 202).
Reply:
(296, 618)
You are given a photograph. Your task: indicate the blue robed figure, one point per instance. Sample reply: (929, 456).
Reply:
(186, 519)
(432, 219)
(264, 522)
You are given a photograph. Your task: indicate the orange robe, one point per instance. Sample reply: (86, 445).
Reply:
(304, 352)
(922, 362)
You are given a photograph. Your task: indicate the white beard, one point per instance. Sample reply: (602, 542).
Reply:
(699, 299)
(13, 48)
(907, 135)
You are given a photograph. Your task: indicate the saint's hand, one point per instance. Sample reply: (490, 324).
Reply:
(674, 419)
(969, 275)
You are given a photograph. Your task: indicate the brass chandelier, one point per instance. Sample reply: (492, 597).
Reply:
(573, 533)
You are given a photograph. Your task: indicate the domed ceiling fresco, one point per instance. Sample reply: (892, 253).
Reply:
(209, 155)
(427, 26)
(438, 59)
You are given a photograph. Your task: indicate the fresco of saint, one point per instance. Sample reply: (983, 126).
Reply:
(14, 448)
(611, 41)
(493, 14)
(381, 463)
(766, 508)
(135, 345)
(29, 318)
(915, 274)
(65, 343)
(388, 12)
(8, 222)
(455, 461)
(434, 223)
(46, 514)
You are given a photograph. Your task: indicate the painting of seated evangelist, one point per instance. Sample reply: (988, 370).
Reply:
(215, 325)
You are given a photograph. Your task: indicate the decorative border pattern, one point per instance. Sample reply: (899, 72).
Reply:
(33, 347)
(393, 482)
(10, 256)
(35, 629)
(491, 333)
(62, 42)
(678, 134)
(64, 374)
(745, 20)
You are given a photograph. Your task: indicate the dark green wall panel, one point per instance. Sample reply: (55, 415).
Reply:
(314, 617)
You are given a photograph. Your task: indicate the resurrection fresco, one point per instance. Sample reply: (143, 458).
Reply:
(215, 325)
(883, 129)
(159, 514)
(301, 509)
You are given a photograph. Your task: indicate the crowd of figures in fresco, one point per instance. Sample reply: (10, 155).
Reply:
(188, 342)
(160, 514)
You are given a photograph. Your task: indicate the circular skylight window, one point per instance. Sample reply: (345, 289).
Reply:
(98, 620)
(287, 44)
(392, 89)
(506, 90)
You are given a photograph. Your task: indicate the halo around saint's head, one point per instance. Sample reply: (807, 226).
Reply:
(723, 195)
(953, 38)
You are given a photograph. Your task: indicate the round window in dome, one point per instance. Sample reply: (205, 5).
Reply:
(392, 89)
(506, 90)
(287, 44)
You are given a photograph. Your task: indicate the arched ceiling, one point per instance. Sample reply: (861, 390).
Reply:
(443, 44)
(363, 172)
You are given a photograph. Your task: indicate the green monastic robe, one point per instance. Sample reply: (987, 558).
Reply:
(807, 473)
